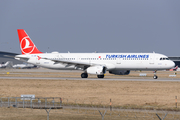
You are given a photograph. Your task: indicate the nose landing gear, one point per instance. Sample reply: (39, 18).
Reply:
(155, 76)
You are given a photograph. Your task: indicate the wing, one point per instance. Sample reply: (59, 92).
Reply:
(21, 57)
(69, 62)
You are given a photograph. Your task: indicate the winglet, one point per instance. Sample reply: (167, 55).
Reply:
(26, 44)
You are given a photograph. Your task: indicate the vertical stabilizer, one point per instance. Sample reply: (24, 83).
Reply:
(8, 63)
(26, 44)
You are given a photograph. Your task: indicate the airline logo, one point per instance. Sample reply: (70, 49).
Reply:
(27, 45)
(127, 56)
(39, 57)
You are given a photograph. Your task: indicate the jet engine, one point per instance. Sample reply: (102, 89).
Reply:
(120, 72)
(98, 70)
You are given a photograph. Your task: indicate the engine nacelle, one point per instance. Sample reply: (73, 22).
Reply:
(120, 72)
(98, 70)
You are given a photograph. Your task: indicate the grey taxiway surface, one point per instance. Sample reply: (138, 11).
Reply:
(66, 77)
(104, 79)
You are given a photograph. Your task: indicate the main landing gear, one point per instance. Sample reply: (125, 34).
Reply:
(85, 75)
(100, 76)
(155, 76)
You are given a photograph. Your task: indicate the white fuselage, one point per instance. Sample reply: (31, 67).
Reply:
(2, 66)
(112, 61)
(22, 66)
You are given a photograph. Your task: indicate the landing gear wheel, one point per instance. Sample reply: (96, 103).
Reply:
(100, 76)
(155, 77)
(84, 75)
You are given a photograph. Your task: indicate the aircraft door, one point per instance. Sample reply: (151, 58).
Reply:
(38, 59)
(118, 60)
(89, 59)
(151, 59)
(78, 58)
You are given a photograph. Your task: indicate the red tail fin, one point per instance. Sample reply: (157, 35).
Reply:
(176, 68)
(26, 44)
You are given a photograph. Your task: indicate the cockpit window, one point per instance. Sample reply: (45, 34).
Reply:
(164, 58)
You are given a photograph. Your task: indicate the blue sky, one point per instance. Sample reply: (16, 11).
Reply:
(92, 25)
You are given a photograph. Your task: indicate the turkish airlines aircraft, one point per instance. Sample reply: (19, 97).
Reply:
(92, 63)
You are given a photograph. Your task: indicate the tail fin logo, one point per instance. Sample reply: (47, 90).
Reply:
(27, 45)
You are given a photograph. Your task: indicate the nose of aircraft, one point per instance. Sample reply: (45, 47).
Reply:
(171, 64)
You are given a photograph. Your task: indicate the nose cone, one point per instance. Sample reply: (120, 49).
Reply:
(171, 64)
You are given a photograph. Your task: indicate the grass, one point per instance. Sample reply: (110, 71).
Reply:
(71, 114)
(123, 94)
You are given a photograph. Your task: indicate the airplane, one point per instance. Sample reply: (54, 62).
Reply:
(24, 66)
(174, 69)
(92, 63)
(6, 64)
